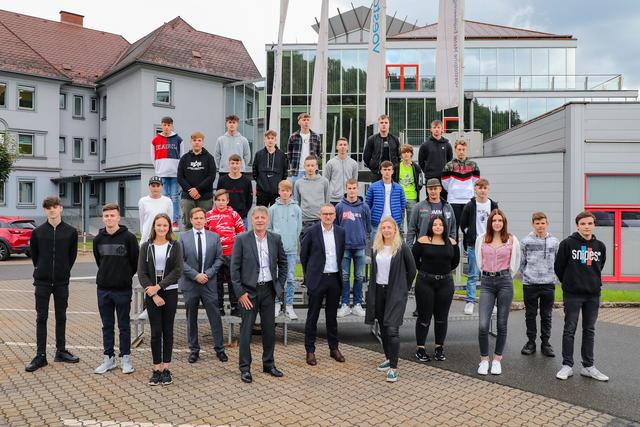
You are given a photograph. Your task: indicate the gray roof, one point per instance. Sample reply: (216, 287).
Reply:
(360, 18)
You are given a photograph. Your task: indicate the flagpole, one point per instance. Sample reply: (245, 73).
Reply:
(461, 40)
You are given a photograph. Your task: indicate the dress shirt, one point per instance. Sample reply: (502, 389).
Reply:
(330, 256)
(264, 275)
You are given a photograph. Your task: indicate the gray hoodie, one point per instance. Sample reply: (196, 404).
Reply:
(229, 144)
(337, 173)
(311, 194)
(538, 257)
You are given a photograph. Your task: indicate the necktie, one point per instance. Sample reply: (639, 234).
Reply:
(199, 251)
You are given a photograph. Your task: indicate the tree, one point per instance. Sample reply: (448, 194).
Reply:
(8, 154)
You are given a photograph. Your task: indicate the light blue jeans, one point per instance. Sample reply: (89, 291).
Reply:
(472, 274)
(358, 257)
(407, 214)
(171, 189)
(291, 279)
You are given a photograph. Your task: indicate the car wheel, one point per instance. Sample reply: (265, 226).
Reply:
(4, 251)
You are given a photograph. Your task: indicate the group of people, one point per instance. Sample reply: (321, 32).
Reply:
(224, 239)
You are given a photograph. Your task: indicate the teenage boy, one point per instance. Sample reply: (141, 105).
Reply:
(411, 178)
(166, 156)
(232, 142)
(579, 263)
(302, 144)
(381, 147)
(239, 188)
(54, 247)
(434, 153)
(474, 223)
(459, 178)
(151, 205)
(339, 170)
(115, 250)
(311, 192)
(270, 166)
(286, 220)
(196, 173)
(227, 223)
(539, 250)
(354, 216)
(385, 198)
(433, 206)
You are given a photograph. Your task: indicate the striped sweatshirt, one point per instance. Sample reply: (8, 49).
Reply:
(459, 178)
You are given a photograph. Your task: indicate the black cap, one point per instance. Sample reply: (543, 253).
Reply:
(155, 180)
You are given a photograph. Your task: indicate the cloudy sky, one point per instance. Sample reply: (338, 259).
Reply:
(608, 32)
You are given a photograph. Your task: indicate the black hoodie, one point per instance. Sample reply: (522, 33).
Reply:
(117, 258)
(468, 221)
(269, 169)
(53, 253)
(433, 155)
(197, 171)
(579, 264)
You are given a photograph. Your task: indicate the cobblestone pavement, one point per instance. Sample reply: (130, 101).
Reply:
(211, 393)
(620, 316)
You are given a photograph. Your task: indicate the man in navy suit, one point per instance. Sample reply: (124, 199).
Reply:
(321, 257)
(202, 254)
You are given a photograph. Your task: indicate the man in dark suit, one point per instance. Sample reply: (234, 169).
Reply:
(258, 275)
(202, 254)
(321, 257)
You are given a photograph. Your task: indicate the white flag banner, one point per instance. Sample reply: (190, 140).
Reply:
(449, 51)
(376, 61)
(276, 93)
(318, 111)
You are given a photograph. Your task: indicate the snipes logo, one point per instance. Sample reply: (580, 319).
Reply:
(586, 255)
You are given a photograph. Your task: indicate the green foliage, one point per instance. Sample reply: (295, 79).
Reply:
(8, 154)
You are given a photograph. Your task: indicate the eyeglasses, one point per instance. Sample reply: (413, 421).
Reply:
(328, 213)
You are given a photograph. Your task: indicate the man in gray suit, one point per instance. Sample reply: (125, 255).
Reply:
(258, 274)
(202, 253)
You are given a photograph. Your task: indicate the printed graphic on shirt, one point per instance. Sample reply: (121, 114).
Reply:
(116, 249)
(586, 255)
(482, 216)
(407, 179)
(195, 165)
(351, 216)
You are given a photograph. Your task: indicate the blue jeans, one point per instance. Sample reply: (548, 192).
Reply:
(294, 178)
(500, 289)
(358, 257)
(407, 214)
(291, 279)
(171, 189)
(245, 221)
(472, 274)
(110, 301)
(374, 230)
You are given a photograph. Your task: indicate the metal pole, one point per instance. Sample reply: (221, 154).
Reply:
(461, 76)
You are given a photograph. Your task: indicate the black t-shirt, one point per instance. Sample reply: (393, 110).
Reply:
(385, 149)
(240, 193)
(436, 209)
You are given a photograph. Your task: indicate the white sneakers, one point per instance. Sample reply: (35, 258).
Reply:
(344, 310)
(483, 368)
(565, 372)
(593, 372)
(278, 308)
(108, 363)
(495, 310)
(468, 308)
(126, 365)
(290, 313)
(144, 315)
(496, 367)
(358, 310)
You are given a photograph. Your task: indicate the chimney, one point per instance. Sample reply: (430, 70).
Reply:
(71, 18)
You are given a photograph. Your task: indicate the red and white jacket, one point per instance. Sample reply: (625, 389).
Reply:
(227, 224)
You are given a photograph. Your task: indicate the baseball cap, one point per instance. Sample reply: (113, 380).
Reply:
(155, 180)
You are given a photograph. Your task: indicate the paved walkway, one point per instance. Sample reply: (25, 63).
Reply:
(211, 393)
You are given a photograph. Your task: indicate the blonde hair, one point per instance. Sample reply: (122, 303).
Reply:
(378, 241)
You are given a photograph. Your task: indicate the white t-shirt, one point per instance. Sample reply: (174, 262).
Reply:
(160, 255)
(305, 150)
(386, 211)
(383, 264)
(148, 208)
(482, 214)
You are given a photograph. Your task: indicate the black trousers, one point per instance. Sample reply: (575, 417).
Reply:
(457, 212)
(209, 297)
(390, 334)
(263, 303)
(161, 324)
(265, 199)
(573, 305)
(538, 295)
(118, 302)
(224, 276)
(329, 290)
(60, 302)
(433, 298)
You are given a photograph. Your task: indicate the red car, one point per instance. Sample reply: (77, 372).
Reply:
(15, 233)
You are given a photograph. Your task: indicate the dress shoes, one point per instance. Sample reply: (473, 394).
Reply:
(273, 371)
(246, 377)
(222, 356)
(311, 359)
(335, 354)
(194, 356)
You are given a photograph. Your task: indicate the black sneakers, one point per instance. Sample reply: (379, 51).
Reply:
(439, 354)
(165, 377)
(421, 355)
(529, 348)
(156, 378)
(66, 356)
(38, 362)
(547, 350)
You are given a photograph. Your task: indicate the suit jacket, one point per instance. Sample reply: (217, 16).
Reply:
(312, 255)
(212, 260)
(245, 264)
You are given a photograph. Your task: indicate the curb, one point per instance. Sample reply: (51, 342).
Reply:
(603, 304)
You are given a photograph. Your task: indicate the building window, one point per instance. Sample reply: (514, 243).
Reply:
(77, 148)
(26, 192)
(94, 105)
(77, 193)
(78, 106)
(103, 152)
(62, 144)
(249, 110)
(63, 101)
(93, 146)
(104, 107)
(3, 94)
(62, 189)
(25, 145)
(93, 188)
(163, 91)
(612, 190)
(26, 98)
(3, 197)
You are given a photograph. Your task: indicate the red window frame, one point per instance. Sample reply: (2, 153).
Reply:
(402, 67)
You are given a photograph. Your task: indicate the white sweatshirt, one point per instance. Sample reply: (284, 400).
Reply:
(148, 208)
